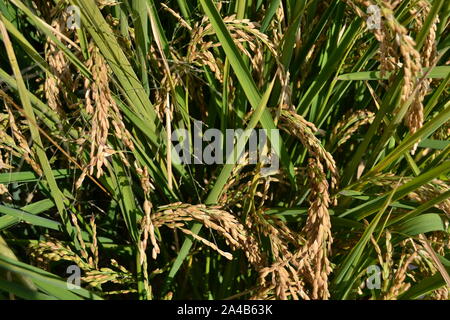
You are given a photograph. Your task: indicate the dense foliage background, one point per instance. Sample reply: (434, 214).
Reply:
(90, 92)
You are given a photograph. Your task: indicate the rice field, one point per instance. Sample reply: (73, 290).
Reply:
(241, 149)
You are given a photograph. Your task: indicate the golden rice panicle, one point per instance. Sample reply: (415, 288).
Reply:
(398, 50)
(118, 275)
(246, 36)
(387, 53)
(60, 77)
(214, 218)
(83, 249)
(295, 124)
(430, 191)
(414, 117)
(304, 272)
(276, 26)
(441, 294)
(177, 16)
(401, 50)
(386, 262)
(44, 252)
(101, 105)
(287, 276)
(281, 279)
(147, 227)
(97, 101)
(94, 244)
(318, 230)
(349, 124)
(199, 49)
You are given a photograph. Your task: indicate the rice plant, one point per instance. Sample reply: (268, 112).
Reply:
(349, 195)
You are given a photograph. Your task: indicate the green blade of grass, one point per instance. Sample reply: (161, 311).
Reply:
(422, 224)
(438, 72)
(23, 292)
(33, 208)
(30, 218)
(29, 176)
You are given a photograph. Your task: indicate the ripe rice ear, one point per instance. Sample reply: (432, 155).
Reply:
(213, 217)
(295, 124)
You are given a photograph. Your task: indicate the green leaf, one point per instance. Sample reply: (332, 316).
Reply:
(30, 218)
(22, 291)
(438, 72)
(33, 209)
(29, 176)
(422, 224)
(434, 144)
(46, 281)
